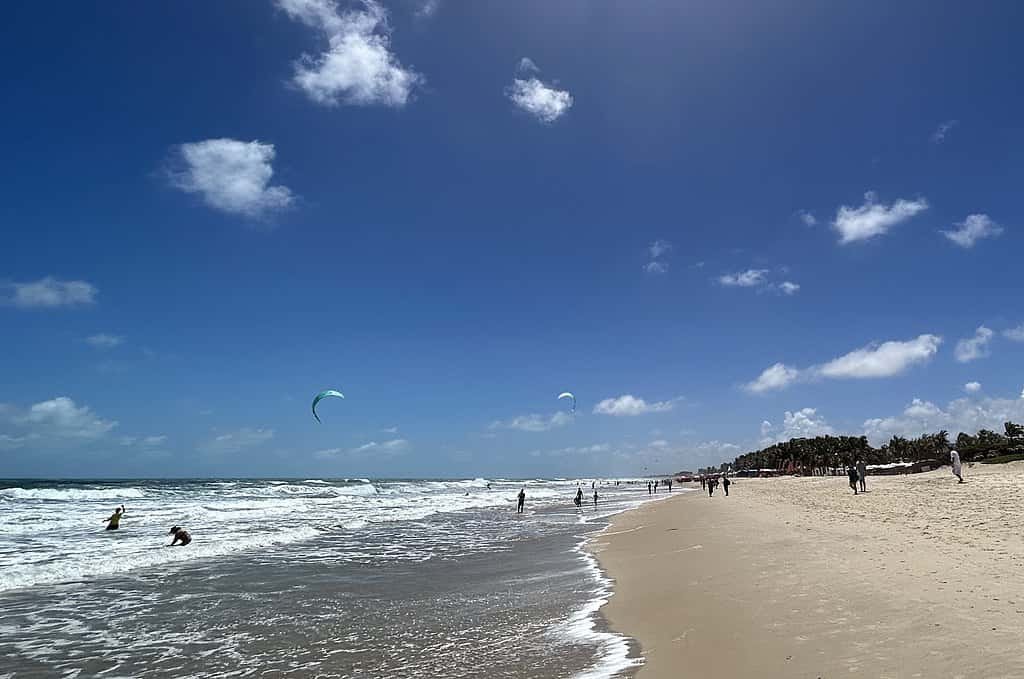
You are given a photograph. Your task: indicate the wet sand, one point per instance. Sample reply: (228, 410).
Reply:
(919, 577)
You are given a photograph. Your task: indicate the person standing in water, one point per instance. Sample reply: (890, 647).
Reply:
(578, 500)
(862, 475)
(595, 498)
(954, 459)
(114, 522)
(648, 487)
(522, 500)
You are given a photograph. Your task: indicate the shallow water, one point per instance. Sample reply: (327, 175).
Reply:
(340, 578)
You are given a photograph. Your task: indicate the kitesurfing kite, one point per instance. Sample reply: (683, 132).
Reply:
(569, 395)
(321, 396)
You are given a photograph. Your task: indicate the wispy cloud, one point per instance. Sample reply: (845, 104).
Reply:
(358, 66)
(104, 341)
(751, 278)
(807, 218)
(1015, 334)
(428, 8)
(973, 348)
(543, 101)
(873, 218)
(377, 450)
(872, 361)
(972, 229)
(789, 287)
(657, 264)
(48, 293)
(235, 441)
(944, 128)
(628, 405)
(59, 418)
(533, 422)
(231, 176)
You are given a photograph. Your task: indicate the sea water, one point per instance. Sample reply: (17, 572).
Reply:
(314, 577)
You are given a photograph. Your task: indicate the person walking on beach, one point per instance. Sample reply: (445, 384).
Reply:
(862, 475)
(851, 472)
(521, 500)
(711, 487)
(954, 459)
(703, 483)
(114, 522)
(725, 485)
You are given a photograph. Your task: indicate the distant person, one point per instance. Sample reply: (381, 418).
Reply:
(725, 485)
(114, 522)
(522, 500)
(669, 484)
(180, 535)
(862, 475)
(648, 487)
(595, 499)
(954, 459)
(578, 501)
(703, 483)
(711, 487)
(655, 487)
(852, 474)
(593, 485)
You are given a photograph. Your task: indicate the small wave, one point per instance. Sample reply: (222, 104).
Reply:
(68, 494)
(317, 481)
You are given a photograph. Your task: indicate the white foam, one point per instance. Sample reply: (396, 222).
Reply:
(71, 493)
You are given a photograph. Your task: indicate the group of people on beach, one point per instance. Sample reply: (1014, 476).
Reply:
(711, 483)
(652, 486)
(858, 472)
(181, 536)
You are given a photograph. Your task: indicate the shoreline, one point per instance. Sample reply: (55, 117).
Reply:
(797, 577)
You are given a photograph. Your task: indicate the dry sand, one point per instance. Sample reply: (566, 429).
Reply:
(919, 577)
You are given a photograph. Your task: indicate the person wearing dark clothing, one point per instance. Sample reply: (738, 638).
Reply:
(595, 499)
(703, 483)
(862, 475)
(669, 483)
(725, 485)
(655, 487)
(579, 498)
(180, 535)
(711, 487)
(522, 501)
(648, 487)
(852, 474)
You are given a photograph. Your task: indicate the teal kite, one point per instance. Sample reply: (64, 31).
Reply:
(321, 396)
(569, 395)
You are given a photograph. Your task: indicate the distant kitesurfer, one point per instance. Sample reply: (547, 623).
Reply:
(180, 535)
(522, 500)
(954, 459)
(114, 522)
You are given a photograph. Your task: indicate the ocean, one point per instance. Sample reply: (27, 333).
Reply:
(307, 578)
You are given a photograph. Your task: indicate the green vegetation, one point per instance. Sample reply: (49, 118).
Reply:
(829, 454)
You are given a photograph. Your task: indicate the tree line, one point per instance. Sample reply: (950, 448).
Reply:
(824, 455)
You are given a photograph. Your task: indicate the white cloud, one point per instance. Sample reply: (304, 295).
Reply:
(154, 440)
(972, 229)
(750, 278)
(358, 67)
(656, 267)
(961, 415)
(61, 418)
(1015, 334)
(629, 405)
(803, 423)
(872, 218)
(48, 293)
(872, 361)
(882, 360)
(596, 449)
(234, 441)
(973, 348)
(231, 176)
(939, 135)
(390, 430)
(533, 422)
(544, 102)
(659, 248)
(807, 218)
(789, 287)
(777, 376)
(374, 449)
(972, 387)
(104, 341)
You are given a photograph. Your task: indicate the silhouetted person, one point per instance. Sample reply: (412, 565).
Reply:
(579, 498)
(180, 535)
(522, 501)
(711, 487)
(852, 474)
(649, 488)
(655, 487)
(725, 485)
(595, 499)
(114, 522)
(862, 475)
(703, 483)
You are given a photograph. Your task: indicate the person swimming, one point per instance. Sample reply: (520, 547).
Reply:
(180, 534)
(114, 522)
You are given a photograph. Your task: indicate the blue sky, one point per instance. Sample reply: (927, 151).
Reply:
(719, 224)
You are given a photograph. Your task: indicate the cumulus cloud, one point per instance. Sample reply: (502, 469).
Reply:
(803, 423)
(777, 376)
(104, 341)
(960, 415)
(358, 66)
(231, 176)
(972, 387)
(944, 128)
(629, 405)
(973, 348)
(751, 278)
(533, 422)
(543, 101)
(1015, 334)
(235, 441)
(873, 218)
(972, 229)
(48, 293)
(59, 418)
(872, 361)
(373, 449)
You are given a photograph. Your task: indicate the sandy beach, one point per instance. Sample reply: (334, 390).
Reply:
(797, 577)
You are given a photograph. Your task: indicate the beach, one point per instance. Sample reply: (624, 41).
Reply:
(797, 577)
